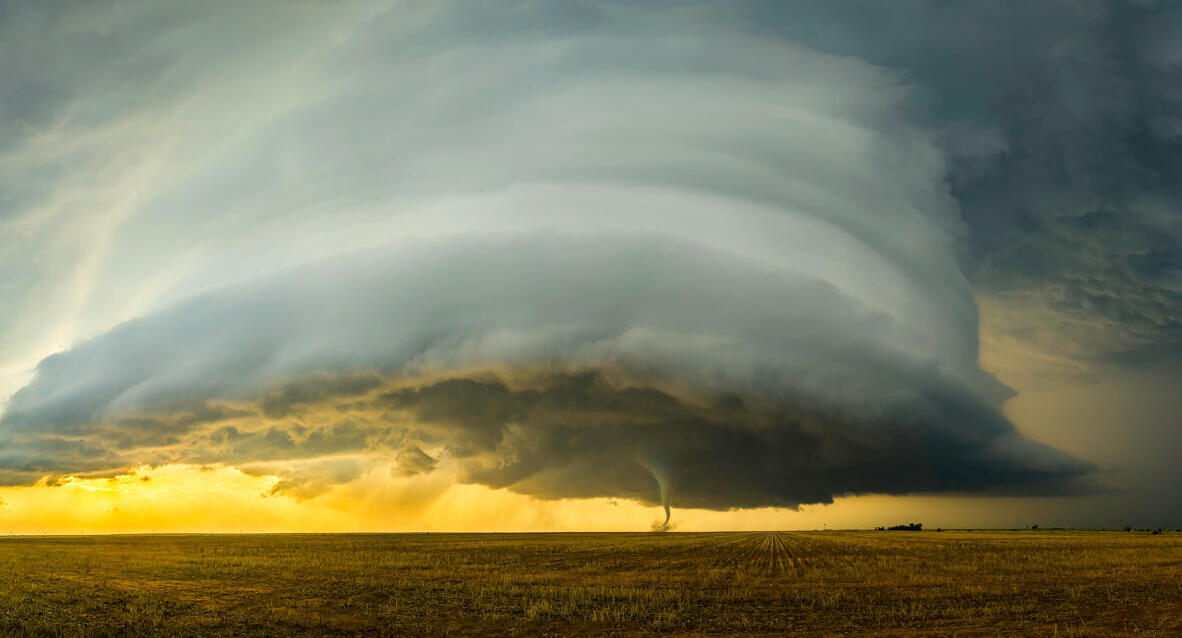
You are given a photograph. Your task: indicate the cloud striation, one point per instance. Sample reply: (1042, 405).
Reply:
(577, 252)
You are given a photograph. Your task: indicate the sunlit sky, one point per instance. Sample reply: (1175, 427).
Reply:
(524, 265)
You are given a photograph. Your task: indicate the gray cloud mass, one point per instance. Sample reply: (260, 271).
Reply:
(772, 416)
(726, 253)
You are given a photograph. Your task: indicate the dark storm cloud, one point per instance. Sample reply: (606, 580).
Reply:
(772, 417)
(783, 210)
(1103, 267)
(578, 435)
(1063, 125)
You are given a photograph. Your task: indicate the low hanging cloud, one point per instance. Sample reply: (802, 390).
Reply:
(578, 435)
(658, 366)
(561, 253)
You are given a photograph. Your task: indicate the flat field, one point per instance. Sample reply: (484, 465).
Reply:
(1040, 583)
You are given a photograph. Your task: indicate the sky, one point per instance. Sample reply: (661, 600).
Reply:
(555, 265)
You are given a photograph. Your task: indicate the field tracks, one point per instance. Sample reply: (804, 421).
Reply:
(775, 552)
(769, 552)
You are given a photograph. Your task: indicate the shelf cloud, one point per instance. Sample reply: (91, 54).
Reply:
(556, 365)
(692, 256)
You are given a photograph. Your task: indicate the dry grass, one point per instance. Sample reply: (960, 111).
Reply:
(823, 583)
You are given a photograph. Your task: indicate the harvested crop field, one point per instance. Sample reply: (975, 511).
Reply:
(807, 583)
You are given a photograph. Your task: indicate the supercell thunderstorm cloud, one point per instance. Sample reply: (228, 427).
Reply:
(690, 256)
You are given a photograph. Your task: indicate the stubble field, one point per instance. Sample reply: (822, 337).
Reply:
(805, 583)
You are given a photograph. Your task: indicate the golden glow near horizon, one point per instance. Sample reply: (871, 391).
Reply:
(192, 499)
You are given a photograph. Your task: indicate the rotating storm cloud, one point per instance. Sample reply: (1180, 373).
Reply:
(564, 251)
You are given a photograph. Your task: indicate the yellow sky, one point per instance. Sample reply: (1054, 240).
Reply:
(185, 498)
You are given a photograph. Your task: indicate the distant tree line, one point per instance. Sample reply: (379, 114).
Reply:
(915, 527)
(909, 527)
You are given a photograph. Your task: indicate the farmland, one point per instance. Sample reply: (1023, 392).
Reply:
(807, 583)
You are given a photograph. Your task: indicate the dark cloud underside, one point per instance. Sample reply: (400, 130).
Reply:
(734, 247)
